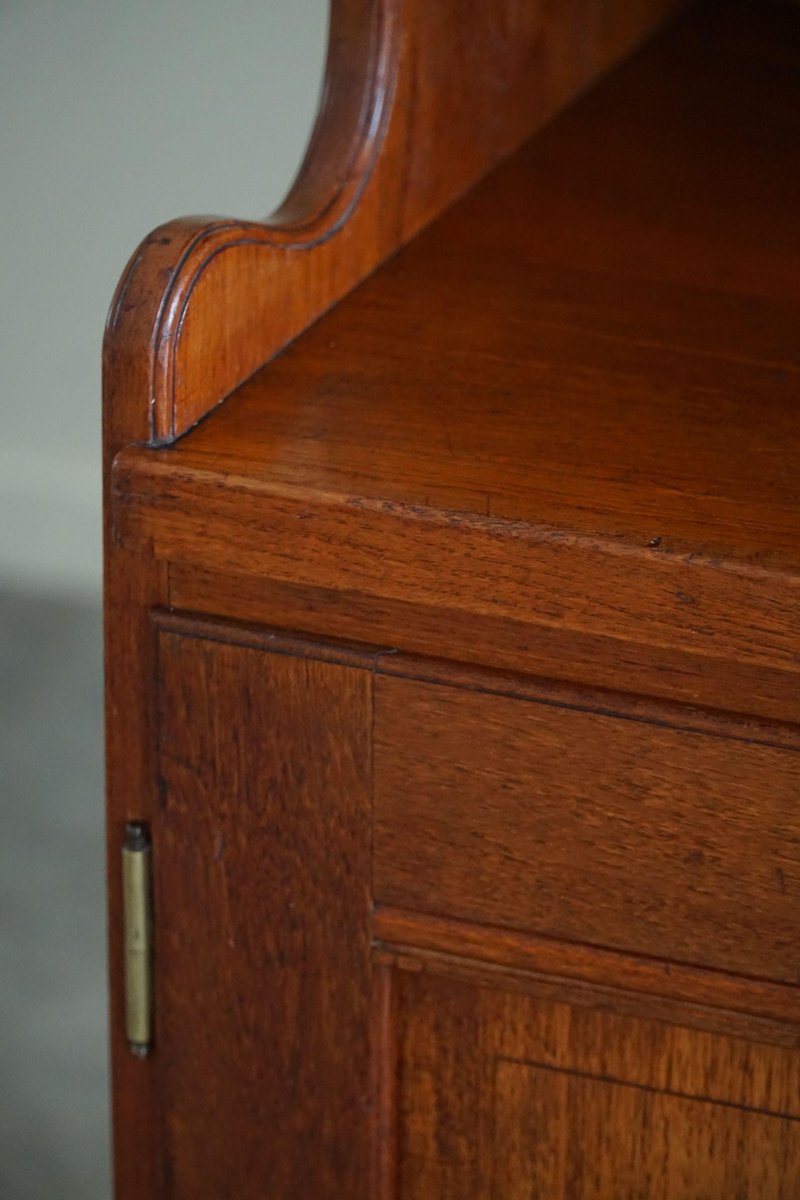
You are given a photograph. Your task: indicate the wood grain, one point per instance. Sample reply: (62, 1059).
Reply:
(417, 104)
(559, 1134)
(385, 1069)
(262, 913)
(441, 1100)
(566, 593)
(595, 665)
(581, 1102)
(626, 835)
(384, 659)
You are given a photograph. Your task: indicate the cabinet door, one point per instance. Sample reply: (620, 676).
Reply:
(295, 1056)
(503, 1096)
(261, 897)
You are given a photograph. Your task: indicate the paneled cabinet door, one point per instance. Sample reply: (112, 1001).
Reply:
(270, 997)
(503, 1096)
(261, 899)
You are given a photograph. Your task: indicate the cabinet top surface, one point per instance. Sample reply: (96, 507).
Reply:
(602, 338)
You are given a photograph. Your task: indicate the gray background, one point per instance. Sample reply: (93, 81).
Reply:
(115, 115)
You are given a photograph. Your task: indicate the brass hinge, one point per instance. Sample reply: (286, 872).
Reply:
(137, 910)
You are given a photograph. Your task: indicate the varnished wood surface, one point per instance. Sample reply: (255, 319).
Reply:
(569, 406)
(563, 1132)
(504, 1097)
(501, 958)
(420, 99)
(228, 709)
(262, 898)
(554, 440)
(385, 660)
(426, 708)
(592, 664)
(671, 844)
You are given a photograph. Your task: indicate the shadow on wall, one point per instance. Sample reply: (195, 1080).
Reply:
(53, 1059)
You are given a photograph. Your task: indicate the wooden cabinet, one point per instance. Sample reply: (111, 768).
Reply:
(453, 661)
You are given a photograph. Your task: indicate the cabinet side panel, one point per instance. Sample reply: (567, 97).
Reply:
(261, 886)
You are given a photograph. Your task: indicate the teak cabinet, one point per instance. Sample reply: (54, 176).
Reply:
(453, 660)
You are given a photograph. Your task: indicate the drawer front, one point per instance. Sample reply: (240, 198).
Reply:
(586, 827)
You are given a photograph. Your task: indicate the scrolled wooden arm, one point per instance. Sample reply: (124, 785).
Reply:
(173, 348)
(421, 98)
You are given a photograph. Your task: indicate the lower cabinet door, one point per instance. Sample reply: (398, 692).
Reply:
(295, 1057)
(507, 1096)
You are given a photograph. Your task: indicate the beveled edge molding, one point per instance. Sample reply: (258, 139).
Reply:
(383, 659)
(486, 946)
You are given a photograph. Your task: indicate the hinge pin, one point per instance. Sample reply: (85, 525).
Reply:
(137, 909)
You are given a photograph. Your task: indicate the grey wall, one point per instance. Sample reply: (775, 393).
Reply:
(116, 115)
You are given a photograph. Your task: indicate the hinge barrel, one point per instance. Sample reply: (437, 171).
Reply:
(137, 910)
